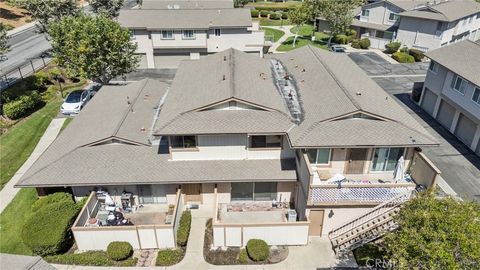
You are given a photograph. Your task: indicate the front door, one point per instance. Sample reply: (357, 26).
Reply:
(193, 192)
(316, 222)
(356, 158)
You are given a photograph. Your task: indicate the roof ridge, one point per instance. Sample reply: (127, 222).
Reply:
(119, 125)
(231, 66)
(334, 77)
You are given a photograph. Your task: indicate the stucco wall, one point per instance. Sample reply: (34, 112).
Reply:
(341, 215)
(413, 31)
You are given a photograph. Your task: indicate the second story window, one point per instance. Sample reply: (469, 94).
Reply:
(188, 34)
(433, 66)
(269, 141)
(459, 84)
(365, 13)
(218, 32)
(320, 156)
(167, 34)
(393, 16)
(476, 95)
(183, 142)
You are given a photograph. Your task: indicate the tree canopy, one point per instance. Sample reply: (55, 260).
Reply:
(298, 17)
(436, 234)
(94, 47)
(108, 7)
(4, 47)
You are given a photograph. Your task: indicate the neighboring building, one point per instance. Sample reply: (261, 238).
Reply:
(170, 31)
(451, 92)
(438, 24)
(256, 142)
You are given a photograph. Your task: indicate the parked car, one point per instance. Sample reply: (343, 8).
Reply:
(75, 101)
(337, 48)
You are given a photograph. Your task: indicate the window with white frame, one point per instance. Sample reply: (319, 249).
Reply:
(217, 32)
(319, 156)
(386, 159)
(393, 16)
(365, 13)
(476, 95)
(188, 34)
(433, 66)
(167, 34)
(179, 142)
(459, 84)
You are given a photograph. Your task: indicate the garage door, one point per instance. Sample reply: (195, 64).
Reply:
(465, 130)
(429, 100)
(169, 60)
(445, 114)
(143, 61)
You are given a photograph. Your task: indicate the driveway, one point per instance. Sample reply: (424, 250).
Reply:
(459, 165)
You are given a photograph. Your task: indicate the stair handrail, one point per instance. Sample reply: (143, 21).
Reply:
(375, 212)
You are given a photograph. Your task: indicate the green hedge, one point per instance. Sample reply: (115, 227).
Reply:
(417, 54)
(257, 250)
(356, 43)
(254, 13)
(392, 47)
(23, 106)
(264, 13)
(364, 43)
(47, 231)
(275, 9)
(402, 57)
(275, 16)
(341, 39)
(184, 228)
(119, 251)
(243, 256)
(167, 257)
(58, 197)
(284, 15)
(89, 258)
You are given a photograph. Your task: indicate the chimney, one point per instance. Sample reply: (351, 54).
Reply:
(223, 77)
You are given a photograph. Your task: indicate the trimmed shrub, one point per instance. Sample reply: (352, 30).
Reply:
(243, 256)
(341, 39)
(276, 8)
(257, 250)
(58, 197)
(264, 13)
(167, 257)
(119, 251)
(351, 32)
(254, 13)
(364, 43)
(284, 15)
(404, 49)
(392, 47)
(402, 57)
(275, 16)
(47, 231)
(40, 80)
(417, 54)
(89, 258)
(184, 228)
(22, 106)
(356, 43)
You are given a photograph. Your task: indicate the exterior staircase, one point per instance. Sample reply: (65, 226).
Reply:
(369, 226)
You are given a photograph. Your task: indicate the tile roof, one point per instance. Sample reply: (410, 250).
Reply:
(184, 18)
(462, 57)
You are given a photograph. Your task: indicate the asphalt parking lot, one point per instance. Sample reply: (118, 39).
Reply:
(459, 165)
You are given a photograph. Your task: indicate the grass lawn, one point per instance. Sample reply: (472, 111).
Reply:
(320, 42)
(304, 30)
(17, 144)
(268, 22)
(66, 123)
(11, 222)
(277, 34)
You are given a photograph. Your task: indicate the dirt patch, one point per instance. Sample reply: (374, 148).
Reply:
(230, 256)
(13, 17)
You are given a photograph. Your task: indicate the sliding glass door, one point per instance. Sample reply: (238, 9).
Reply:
(264, 191)
(385, 159)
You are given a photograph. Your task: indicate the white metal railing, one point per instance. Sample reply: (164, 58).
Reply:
(375, 212)
(367, 193)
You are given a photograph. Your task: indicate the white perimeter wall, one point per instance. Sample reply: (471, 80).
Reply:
(341, 215)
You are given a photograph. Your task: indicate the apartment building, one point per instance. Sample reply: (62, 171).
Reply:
(439, 23)
(170, 31)
(451, 92)
(279, 148)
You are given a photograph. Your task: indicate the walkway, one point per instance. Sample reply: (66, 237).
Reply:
(8, 192)
(288, 33)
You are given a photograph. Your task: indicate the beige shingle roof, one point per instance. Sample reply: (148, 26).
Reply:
(184, 18)
(448, 11)
(461, 57)
(187, 4)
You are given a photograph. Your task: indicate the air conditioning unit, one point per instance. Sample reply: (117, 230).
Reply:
(291, 215)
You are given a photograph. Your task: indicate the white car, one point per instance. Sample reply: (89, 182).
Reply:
(75, 101)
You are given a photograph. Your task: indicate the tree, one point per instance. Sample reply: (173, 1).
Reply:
(338, 14)
(4, 47)
(436, 234)
(46, 11)
(109, 7)
(298, 17)
(94, 47)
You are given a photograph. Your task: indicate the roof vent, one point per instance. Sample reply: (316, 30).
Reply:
(176, 7)
(128, 100)
(358, 94)
(219, 11)
(225, 58)
(145, 98)
(143, 129)
(223, 79)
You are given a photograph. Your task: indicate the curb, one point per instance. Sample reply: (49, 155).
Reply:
(21, 29)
